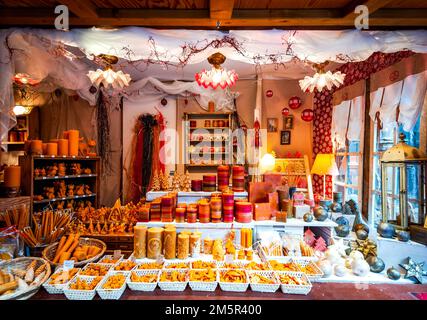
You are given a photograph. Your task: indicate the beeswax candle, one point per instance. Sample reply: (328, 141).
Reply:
(140, 238)
(154, 242)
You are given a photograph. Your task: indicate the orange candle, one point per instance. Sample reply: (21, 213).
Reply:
(27, 146)
(36, 147)
(52, 149)
(44, 148)
(73, 142)
(62, 147)
(12, 176)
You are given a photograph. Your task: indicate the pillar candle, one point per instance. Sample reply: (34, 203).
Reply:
(44, 148)
(180, 214)
(154, 242)
(207, 245)
(183, 246)
(139, 244)
(195, 244)
(169, 243)
(196, 185)
(36, 147)
(62, 147)
(73, 142)
(204, 211)
(52, 149)
(192, 213)
(12, 176)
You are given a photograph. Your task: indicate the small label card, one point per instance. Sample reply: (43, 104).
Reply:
(68, 265)
(117, 254)
(229, 258)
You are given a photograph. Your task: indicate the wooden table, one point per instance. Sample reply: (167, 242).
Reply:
(320, 291)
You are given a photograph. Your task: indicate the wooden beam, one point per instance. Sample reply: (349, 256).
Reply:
(394, 18)
(373, 5)
(81, 8)
(221, 9)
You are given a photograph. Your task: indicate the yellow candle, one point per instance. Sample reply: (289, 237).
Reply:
(169, 243)
(154, 242)
(140, 238)
(183, 246)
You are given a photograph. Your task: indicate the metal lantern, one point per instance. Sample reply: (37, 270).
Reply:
(403, 167)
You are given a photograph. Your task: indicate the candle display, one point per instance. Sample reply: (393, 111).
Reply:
(183, 245)
(139, 244)
(154, 242)
(169, 243)
(62, 147)
(51, 149)
(12, 176)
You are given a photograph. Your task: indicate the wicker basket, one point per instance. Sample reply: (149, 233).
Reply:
(264, 287)
(174, 286)
(57, 288)
(204, 285)
(311, 276)
(50, 251)
(22, 263)
(143, 286)
(80, 294)
(110, 256)
(231, 286)
(108, 266)
(295, 289)
(111, 294)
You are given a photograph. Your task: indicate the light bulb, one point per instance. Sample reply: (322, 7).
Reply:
(268, 162)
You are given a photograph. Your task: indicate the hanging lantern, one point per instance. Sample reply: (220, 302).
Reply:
(217, 76)
(285, 112)
(294, 102)
(307, 115)
(322, 79)
(109, 77)
(269, 93)
(164, 102)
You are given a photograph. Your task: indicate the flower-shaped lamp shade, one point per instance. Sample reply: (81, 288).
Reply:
(216, 77)
(321, 80)
(108, 77)
(325, 164)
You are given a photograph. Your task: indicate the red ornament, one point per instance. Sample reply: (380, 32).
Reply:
(257, 127)
(285, 112)
(164, 102)
(269, 93)
(294, 102)
(307, 115)
(186, 101)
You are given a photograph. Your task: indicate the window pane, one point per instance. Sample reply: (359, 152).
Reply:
(376, 209)
(386, 139)
(352, 194)
(412, 137)
(354, 146)
(376, 173)
(413, 181)
(352, 170)
(340, 160)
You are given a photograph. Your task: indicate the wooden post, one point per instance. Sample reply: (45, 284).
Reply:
(367, 147)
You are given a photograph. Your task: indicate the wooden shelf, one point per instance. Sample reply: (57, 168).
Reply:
(65, 198)
(203, 165)
(66, 177)
(209, 128)
(44, 157)
(13, 143)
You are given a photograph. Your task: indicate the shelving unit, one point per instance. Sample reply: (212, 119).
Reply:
(210, 139)
(32, 185)
(17, 135)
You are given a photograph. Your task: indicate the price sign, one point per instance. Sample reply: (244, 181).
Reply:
(160, 259)
(68, 265)
(229, 258)
(117, 254)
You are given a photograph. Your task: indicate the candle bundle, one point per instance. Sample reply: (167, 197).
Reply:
(139, 244)
(192, 213)
(154, 242)
(238, 178)
(196, 185)
(204, 211)
(155, 210)
(169, 242)
(166, 208)
(216, 209)
(243, 211)
(246, 238)
(228, 206)
(17, 216)
(183, 245)
(223, 173)
(209, 182)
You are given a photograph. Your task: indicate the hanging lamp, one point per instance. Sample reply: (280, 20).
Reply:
(109, 77)
(322, 79)
(217, 76)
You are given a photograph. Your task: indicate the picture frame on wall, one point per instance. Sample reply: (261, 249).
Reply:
(285, 137)
(288, 122)
(272, 124)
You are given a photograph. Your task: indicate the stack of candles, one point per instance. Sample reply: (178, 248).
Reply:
(223, 177)
(166, 208)
(238, 178)
(243, 211)
(192, 213)
(180, 212)
(196, 185)
(155, 211)
(228, 206)
(209, 182)
(204, 211)
(169, 242)
(216, 209)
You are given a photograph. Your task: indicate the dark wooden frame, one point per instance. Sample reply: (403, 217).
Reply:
(282, 134)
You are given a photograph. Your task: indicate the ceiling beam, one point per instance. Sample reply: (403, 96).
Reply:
(81, 8)
(221, 9)
(373, 5)
(314, 18)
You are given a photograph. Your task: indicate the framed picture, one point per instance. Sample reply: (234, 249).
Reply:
(285, 137)
(288, 122)
(272, 124)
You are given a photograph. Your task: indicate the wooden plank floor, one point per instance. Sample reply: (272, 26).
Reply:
(320, 291)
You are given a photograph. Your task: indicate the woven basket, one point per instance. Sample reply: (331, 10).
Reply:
(313, 277)
(57, 288)
(50, 251)
(72, 294)
(292, 288)
(22, 263)
(111, 294)
(143, 286)
(264, 287)
(232, 286)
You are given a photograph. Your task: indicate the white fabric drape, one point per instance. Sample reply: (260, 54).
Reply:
(407, 94)
(347, 121)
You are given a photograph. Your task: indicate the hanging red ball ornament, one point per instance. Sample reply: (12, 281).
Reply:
(164, 102)
(307, 115)
(285, 112)
(186, 101)
(269, 93)
(294, 102)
